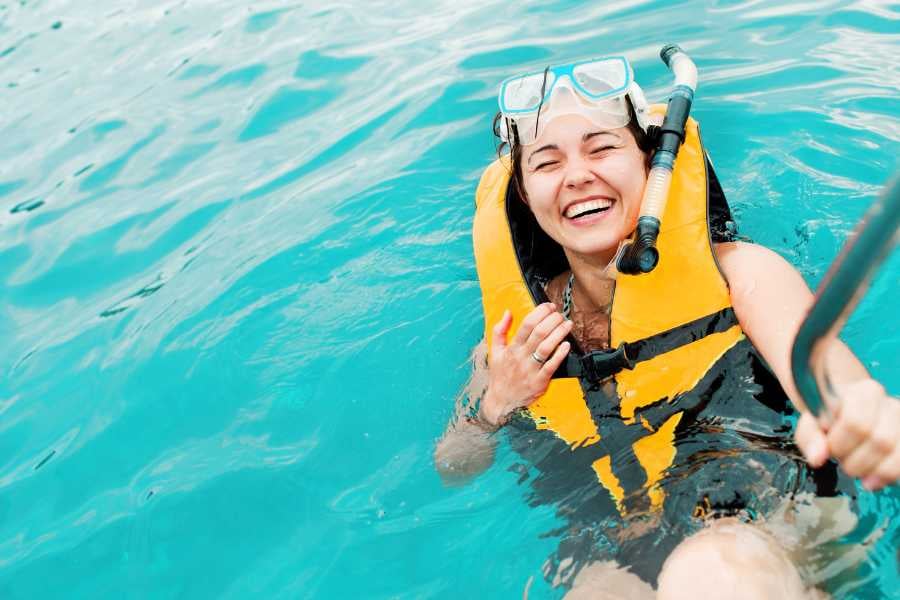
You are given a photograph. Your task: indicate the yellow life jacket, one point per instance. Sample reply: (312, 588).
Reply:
(668, 327)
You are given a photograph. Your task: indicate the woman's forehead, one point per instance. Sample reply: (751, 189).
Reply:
(572, 130)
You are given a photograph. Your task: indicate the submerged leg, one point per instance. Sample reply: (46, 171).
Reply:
(606, 580)
(811, 529)
(730, 559)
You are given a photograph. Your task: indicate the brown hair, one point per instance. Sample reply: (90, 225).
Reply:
(645, 143)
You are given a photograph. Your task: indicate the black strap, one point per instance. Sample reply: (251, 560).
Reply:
(602, 364)
(598, 365)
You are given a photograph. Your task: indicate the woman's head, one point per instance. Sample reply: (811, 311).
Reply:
(583, 183)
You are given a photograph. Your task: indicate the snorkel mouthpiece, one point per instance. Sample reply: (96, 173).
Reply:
(641, 255)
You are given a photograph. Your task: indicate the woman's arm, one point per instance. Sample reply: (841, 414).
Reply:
(771, 300)
(518, 373)
(467, 447)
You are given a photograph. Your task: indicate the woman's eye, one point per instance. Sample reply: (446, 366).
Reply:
(600, 149)
(546, 164)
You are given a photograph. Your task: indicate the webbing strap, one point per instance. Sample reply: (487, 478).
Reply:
(601, 364)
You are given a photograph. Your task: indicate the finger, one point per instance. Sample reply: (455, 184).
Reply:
(861, 461)
(887, 473)
(532, 319)
(854, 424)
(844, 395)
(811, 440)
(501, 329)
(556, 359)
(559, 333)
(543, 329)
(888, 470)
(878, 446)
(873, 483)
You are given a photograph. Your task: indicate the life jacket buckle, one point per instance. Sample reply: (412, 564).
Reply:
(602, 364)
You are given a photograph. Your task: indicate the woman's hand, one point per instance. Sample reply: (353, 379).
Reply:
(520, 370)
(863, 434)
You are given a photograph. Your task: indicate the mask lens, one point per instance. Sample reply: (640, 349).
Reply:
(601, 78)
(524, 93)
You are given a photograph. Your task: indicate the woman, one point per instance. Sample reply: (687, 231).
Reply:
(642, 401)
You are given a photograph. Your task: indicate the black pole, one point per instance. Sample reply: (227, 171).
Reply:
(842, 288)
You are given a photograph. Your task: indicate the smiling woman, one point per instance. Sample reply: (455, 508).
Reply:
(588, 221)
(644, 402)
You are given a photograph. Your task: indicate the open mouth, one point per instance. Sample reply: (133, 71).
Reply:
(585, 209)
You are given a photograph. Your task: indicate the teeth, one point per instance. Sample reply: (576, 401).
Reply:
(583, 207)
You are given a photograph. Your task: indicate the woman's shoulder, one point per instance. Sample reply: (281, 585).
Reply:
(741, 251)
(761, 282)
(747, 266)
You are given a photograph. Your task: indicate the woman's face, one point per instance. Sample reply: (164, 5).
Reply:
(584, 184)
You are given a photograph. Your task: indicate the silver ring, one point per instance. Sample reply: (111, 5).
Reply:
(537, 358)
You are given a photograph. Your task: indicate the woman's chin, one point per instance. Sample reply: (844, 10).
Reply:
(603, 248)
(592, 241)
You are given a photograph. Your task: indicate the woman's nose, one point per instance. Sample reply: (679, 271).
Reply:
(578, 175)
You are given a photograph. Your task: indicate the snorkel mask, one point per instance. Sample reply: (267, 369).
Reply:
(596, 89)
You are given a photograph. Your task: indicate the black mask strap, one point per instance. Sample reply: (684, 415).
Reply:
(513, 131)
(537, 120)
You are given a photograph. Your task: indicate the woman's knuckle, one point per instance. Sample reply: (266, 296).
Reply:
(539, 312)
(838, 444)
(852, 469)
(883, 442)
(547, 325)
(855, 424)
(540, 330)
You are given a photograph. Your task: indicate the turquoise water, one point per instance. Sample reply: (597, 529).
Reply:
(237, 293)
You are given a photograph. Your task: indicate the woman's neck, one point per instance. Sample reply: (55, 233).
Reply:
(591, 278)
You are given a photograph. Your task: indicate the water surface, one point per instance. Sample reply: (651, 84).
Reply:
(237, 292)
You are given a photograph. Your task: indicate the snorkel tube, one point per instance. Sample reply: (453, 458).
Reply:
(641, 255)
(844, 285)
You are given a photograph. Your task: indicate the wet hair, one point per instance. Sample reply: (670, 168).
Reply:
(645, 143)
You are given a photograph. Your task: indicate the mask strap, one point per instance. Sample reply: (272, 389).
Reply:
(512, 131)
(537, 120)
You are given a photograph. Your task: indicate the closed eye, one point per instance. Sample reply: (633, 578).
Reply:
(548, 163)
(599, 149)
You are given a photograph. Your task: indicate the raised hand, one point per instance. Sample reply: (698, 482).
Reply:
(520, 370)
(863, 433)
